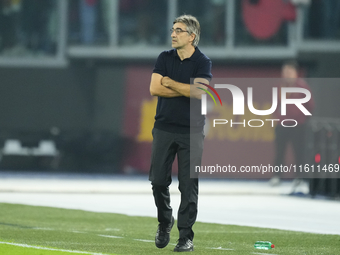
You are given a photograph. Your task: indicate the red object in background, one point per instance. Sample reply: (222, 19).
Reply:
(339, 160)
(317, 158)
(138, 154)
(263, 18)
(91, 2)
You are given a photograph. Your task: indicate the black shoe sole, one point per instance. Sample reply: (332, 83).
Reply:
(164, 245)
(192, 249)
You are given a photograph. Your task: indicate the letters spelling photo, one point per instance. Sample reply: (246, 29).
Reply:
(239, 102)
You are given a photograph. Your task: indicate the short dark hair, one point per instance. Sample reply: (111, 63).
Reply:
(292, 63)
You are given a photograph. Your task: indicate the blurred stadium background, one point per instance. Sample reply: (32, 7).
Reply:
(75, 75)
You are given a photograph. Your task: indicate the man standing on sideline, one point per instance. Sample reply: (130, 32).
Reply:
(174, 126)
(295, 135)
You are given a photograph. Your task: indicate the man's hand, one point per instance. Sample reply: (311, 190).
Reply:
(182, 88)
(157, 89)
(186, 90)
(197, 91)
(166, 81)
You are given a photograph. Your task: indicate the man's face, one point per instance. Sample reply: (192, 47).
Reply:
(289, 74)
(181, 39)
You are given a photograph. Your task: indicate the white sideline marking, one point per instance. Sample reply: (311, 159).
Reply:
(50, 249)
(143, 240)
(111, 236)
(220, 248)
(38, 228)
(264, 253)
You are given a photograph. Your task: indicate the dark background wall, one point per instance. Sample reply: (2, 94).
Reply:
(78, 97)
(86, 101)
(79, 107)
(326, 68)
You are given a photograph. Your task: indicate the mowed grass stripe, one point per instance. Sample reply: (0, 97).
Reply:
(24, 249)
(85, 231)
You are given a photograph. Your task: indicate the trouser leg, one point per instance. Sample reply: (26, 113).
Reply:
(189, 155)
(163, 154)
(298, 141)
(162, 200)
(281, 142)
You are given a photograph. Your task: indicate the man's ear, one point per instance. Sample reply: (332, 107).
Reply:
(193, 36)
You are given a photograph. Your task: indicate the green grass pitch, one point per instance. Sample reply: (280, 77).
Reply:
(107, 233)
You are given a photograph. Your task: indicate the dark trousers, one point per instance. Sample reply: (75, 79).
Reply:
(285, 135)
(188, 149)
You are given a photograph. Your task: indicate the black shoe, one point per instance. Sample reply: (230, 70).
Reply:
(163, 234)
(184, 244)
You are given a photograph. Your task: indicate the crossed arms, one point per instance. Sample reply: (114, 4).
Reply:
(166, 87)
